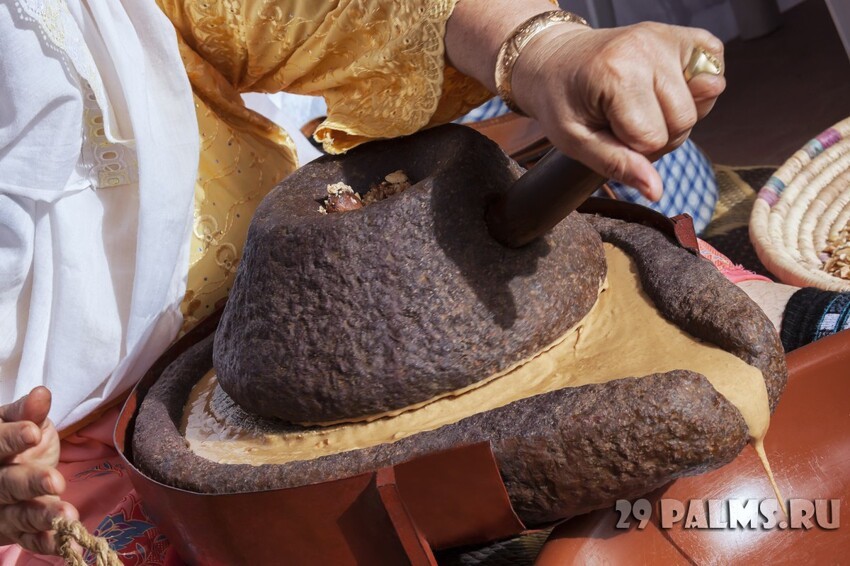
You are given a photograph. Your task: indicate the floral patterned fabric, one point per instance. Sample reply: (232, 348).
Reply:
(99, 487)
(133, 535)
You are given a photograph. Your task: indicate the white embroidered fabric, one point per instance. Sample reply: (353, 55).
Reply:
(91, 280)
(106, 164)
(60, 32)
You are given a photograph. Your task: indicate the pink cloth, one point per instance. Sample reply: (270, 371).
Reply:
(734, 273)
(99, 487)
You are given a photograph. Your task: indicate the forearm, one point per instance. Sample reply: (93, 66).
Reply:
(611, 98)
(477, 28)
(771, 297)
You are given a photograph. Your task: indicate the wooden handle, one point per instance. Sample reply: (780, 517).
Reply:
(540, 199)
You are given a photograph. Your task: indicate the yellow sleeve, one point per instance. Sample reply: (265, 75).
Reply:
(379, 64)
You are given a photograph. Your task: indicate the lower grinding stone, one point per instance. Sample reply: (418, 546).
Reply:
(337, 316)
(559, 453)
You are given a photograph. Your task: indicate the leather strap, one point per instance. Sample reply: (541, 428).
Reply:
(679, 228)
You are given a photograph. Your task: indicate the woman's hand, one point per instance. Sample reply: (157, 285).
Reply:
(616, 99)
(30, 484)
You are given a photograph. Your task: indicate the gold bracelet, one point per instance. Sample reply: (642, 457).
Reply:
(519, 38)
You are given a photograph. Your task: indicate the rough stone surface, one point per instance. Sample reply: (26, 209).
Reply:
(694, 295)
(350, 314)
(561, 453)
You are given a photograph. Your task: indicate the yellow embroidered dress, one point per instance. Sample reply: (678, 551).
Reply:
(379, 64)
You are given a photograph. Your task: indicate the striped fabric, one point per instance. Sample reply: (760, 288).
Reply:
(689, 183)
(812, 314)
(835, 318)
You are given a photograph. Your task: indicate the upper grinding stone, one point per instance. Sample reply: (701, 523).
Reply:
(345, 315)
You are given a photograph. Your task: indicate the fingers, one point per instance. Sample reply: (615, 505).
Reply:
(16, 438)
(671, 145)
(29, 503)
(31, 407)
(650, 107)
(704, 87)
(656, 121)
(23, 423)
(678, 105)
(36, 515)
(40, 543)
(695, 38)
(30, 523)
(22, 482)
(637, 119)
(617, 99)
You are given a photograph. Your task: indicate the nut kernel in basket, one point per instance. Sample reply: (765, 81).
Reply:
(837, 252)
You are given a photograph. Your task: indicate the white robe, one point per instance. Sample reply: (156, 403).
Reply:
(98, 157)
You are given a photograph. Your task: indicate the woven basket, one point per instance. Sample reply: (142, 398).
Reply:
(801, 206)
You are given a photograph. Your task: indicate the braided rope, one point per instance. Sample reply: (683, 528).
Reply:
(70, 532)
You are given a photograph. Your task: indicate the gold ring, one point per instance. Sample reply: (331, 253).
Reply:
(702, 62)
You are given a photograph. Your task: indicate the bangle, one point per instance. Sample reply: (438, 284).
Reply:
(519, 38)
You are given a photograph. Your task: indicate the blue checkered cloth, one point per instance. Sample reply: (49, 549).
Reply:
(490, 109)
(689, 182)
(689, 186)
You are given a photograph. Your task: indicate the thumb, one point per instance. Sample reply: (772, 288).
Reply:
(31, 407)
(604, 153)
